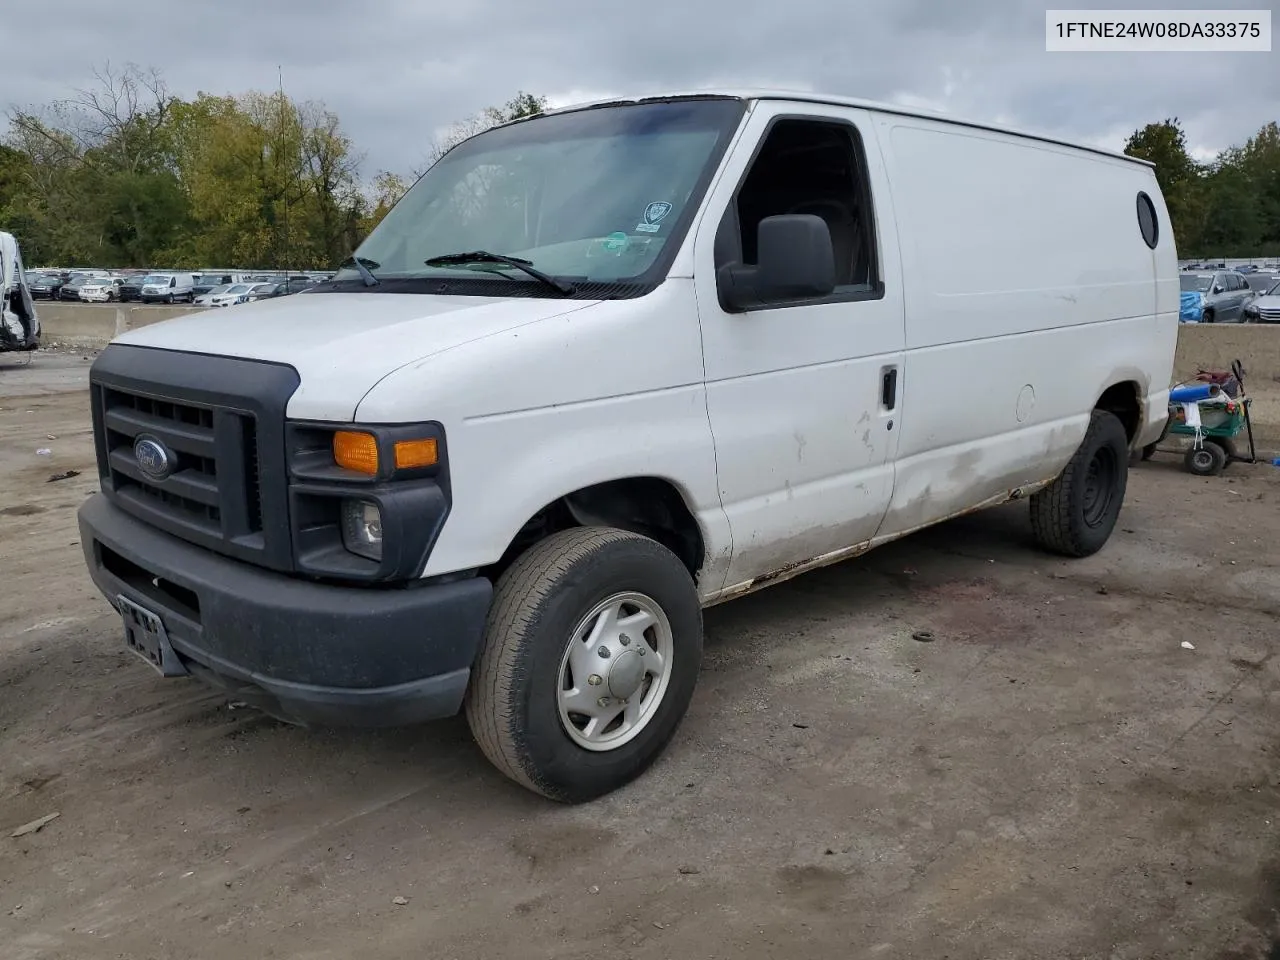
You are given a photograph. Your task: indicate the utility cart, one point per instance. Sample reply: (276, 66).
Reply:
(1220, 405)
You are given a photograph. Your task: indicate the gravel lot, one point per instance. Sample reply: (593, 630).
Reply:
(1053, 776)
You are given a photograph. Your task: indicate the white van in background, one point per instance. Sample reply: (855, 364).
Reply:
(19, 324)
(603, 367)
(168, 288)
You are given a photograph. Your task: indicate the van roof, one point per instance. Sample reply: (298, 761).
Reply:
(804, 96)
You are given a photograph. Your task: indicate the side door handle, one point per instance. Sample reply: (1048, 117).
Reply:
(889, 388)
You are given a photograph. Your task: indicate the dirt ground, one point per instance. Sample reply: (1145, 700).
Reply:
(1054, 776)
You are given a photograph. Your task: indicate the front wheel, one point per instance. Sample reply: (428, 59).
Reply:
(590, 656)
(1208, 316)
(1074, 515)
(169, 299)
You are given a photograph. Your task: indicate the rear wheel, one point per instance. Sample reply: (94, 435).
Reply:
(590, 657)
(1074, 515)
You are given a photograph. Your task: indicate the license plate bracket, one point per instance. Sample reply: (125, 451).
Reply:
(145, 635)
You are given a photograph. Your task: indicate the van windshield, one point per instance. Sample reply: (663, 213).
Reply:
(599, 197)
(155, 280)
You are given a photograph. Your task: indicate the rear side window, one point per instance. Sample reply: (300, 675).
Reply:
(1147, 222)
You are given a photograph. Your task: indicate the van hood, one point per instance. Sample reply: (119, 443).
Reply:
(342, 344)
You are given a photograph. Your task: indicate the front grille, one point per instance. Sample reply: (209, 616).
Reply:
(221, 423)
(193, 493)
(1271, 314)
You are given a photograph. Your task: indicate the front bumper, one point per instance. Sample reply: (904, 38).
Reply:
(305, 652)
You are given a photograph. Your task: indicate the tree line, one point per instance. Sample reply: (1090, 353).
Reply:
(124, 174)
(1228, 207)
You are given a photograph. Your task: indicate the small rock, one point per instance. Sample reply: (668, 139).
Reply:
(923, 636)
(1188, 645)
(801, 726)
(226, 883)
(44, 452)
(828, 852)
(659, 925)
(1103, 591)
(50, 436)
(689, 871)
(400, 901)
(242, 809)
(593, 889)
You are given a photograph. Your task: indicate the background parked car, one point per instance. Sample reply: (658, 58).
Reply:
(71, 289)
(1223, 295)
(261, 291)
(1261, 282)
(207, 281)
(1266, 308)
(100, 289)
(131, 288)
(206, 299)
(292, 285)
(231, 294)
(46, 286)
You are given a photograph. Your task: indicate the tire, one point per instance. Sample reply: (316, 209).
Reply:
(516, 703)
(1208, 317)
(1074, 515)
(169, 299)
(1206, 461)
(1228, 448)
(1149, 451)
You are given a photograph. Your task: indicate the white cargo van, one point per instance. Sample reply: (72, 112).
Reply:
(168, 288)
(602, 368)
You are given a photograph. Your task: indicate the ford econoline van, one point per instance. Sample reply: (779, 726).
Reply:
(602, 368)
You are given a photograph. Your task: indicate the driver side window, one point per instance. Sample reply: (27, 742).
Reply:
(807, 167)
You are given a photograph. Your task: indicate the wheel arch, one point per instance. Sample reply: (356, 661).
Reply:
(652, 506)
(1124, 400)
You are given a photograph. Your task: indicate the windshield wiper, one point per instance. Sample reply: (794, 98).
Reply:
(365, 273)
(484, 256)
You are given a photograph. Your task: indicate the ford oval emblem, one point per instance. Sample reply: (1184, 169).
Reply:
(153, 459)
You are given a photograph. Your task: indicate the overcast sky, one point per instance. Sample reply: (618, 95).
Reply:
(398, 71)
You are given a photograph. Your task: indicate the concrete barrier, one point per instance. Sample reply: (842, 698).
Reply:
(1213, 346)
(94, 324)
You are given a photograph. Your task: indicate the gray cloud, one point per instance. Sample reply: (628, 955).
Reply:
(400, 71)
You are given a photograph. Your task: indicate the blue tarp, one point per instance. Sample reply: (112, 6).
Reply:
(1192, 307)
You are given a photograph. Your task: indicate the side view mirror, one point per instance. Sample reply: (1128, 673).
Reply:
(1215, 289)
(795, 260)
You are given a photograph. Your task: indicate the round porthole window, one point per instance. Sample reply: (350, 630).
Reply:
(1147, 222)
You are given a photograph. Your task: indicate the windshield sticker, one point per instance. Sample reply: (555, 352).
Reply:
(615, 241)
(654, 214)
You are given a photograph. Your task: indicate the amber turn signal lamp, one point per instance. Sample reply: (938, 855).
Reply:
(356, 451)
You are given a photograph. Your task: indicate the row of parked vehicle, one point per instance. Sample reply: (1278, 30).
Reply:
(1230, 296)
(212, 289)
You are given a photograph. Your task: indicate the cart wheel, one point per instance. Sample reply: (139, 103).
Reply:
(1228, 448)
(1206, 461)
(1149, 451)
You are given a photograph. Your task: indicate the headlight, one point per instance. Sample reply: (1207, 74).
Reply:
(362, 528)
